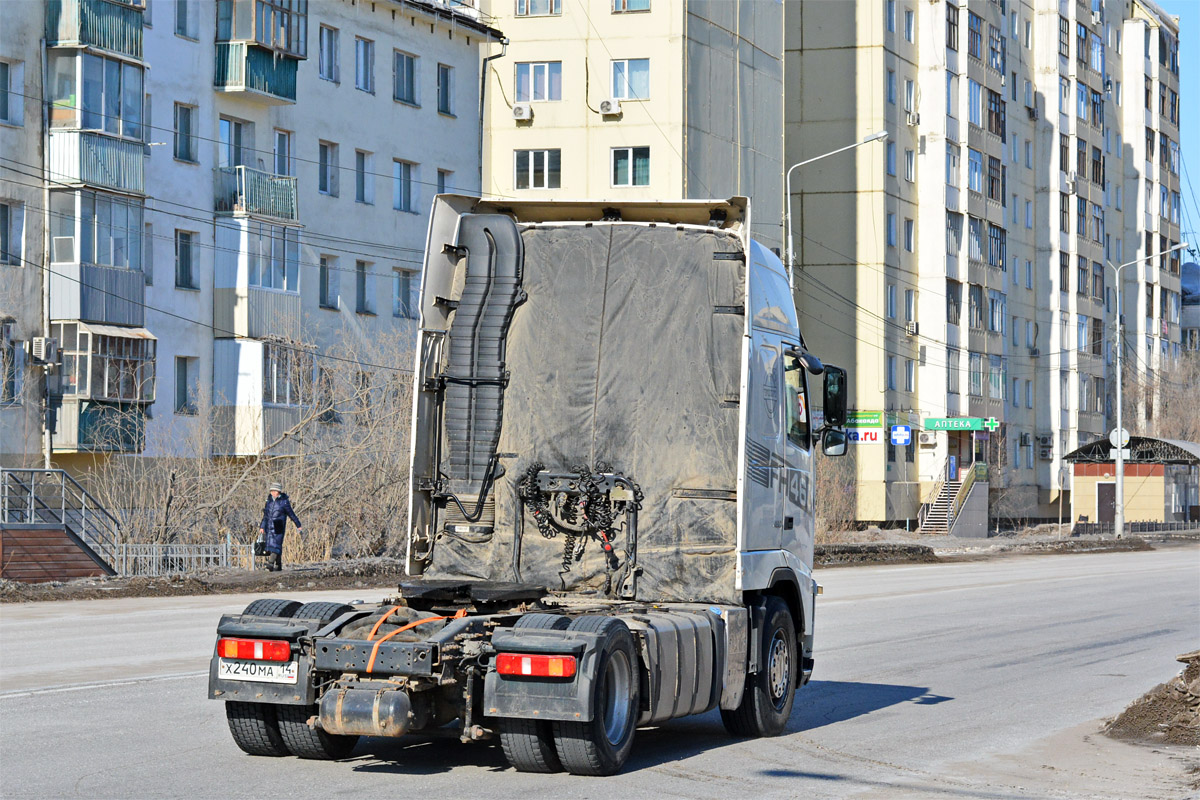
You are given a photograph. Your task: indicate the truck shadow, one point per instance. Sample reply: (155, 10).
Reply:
(820, 703)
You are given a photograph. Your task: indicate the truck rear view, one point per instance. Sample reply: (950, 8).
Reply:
(611, 515)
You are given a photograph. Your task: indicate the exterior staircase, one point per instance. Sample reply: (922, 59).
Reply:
(52, 529)
(939, 515)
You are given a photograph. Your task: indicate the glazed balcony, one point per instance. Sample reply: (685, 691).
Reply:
(256, 72)
(110, 25)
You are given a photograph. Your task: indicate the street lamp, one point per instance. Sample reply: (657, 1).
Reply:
(791, 252)
(1119, 510)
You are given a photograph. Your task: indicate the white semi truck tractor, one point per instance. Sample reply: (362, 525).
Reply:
(611, 514)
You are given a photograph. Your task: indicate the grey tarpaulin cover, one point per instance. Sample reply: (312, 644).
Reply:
(627, 352)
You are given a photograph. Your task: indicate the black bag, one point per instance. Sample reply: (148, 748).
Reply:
(260, 546)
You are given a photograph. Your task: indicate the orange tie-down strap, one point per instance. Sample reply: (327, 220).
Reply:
(462, 612)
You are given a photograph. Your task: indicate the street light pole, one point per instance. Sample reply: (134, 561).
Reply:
(1119, 501)
(791, 252)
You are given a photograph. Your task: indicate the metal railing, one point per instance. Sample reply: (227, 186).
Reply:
(239, 66)
(977, 472)
(175, 559)
(32, 496)
(925, 508)
(107, 24)
(1109, 528)
(252, 191)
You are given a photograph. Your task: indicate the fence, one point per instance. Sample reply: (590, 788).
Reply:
(1108, 528)
(176, 559)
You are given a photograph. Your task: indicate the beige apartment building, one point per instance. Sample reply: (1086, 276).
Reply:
(638, 99)
(959, 268)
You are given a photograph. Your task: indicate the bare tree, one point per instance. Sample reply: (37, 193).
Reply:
(836, 497)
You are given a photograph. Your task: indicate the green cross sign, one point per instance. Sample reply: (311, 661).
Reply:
(991, 423)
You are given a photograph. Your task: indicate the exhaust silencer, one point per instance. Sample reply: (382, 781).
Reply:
(362, 712)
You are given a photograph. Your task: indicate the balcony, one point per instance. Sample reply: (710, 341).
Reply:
(85, 426)
(257, 71)
(96, 159)
(107, 24)
(253, 313)
(104, 295)
(242, 190)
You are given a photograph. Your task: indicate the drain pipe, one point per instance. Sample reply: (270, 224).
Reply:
(482, 95)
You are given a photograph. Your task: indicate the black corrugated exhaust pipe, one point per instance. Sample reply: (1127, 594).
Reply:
(362, 712)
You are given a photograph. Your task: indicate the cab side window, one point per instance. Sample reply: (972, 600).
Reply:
(796, 402)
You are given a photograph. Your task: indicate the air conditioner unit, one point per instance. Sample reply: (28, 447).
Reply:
(1034, 352)
(1072, 182)
(44, 349)
(927, 438)
(1032, 111)
(1045, 440)
(914, 119)
(522, 111)
(610, 108)
(911, 328)
(1096, 17)
(1046, 454)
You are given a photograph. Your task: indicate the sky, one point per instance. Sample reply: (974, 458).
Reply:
(1188, 12)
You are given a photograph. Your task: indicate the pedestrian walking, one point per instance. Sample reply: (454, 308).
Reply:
(276, 512)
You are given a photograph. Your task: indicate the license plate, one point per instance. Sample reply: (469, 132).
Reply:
(232, 669)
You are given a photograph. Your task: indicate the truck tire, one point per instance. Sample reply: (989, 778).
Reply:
(255, 729)
(306, 742)
(529, 743)
(268, 607)
(601, 746)
(767, 699)
(323, 612)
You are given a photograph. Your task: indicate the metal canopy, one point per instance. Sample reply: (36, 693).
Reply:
(1143, 450)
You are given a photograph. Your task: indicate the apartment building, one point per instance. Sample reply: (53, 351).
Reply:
(237, 189)
(960, 268)
(638, 99)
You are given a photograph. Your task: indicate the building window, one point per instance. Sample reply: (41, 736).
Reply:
(910, 305)
(951, 27)
(327, 62)
(273, 256)
(538, 8)
(403, 198)
(327, 278)
(362, 295)
(952, 380)
(187, 377)
(974, 102)
(910, 25)
(185, 136)
(975, 306)
(1028, 214)
(364, 179)
(540, 80)
(110, 98)
(953, 302)
(891, 229)
(405, 287)
(11, 227)
(622, 6)
(185, 260)
(536, 169)
(889, 308)
(236, 141)
(889, 14)
(995, 114)
(12, 89)
(952, 162)
(891, 87)
(364, 64)
(445, 89)
(995, 187)
(910, 96)
(910, 165)
(1064, 272)
(283, 152)
(910, 375)
(996, 49)
(974, 35)
(910, 235)
(631, 166)
(953, 233)
(443, 180)
(891, 158)
(631, 79)
(975, 374)
(287, 374)
(891, 373)
(185, 19)
(110, 233)
(1082, 280)
(327, 168)
(404, 77)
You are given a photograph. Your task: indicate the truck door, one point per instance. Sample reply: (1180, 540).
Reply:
(764, 448)
(796, 500)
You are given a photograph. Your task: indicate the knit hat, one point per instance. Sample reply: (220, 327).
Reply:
(275, 487)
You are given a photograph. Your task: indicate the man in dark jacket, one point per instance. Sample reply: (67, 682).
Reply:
(275, 516)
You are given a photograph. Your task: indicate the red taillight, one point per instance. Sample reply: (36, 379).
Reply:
(254, 649)
(535, 666)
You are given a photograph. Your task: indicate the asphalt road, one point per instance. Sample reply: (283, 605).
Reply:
(979, 680)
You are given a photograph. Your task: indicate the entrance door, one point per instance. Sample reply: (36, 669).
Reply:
(1106, 502)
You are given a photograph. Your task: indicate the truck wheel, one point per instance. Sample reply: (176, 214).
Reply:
(324, 612)
(306, 742)
(767, 699)
(268, 607)
(529, 743)
(600, 747)
(255, 729)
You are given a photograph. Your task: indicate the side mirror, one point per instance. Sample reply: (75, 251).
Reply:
(835, 396)
(810, 362)
(833, 442)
